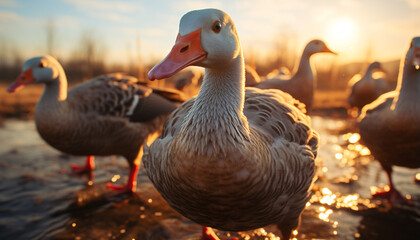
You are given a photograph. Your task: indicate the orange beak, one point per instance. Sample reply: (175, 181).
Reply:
(24, 78)
(327, 50)
(416, 58)
(186, 51)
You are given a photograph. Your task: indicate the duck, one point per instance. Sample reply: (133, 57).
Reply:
(390, 125)
(302, 84)
(231, 158)
(107, 115)
(366, 89)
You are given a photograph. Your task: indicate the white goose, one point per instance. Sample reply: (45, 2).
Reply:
(390, 126)
(230, 158)
(366, 89)
(107, 115)
(302, 84)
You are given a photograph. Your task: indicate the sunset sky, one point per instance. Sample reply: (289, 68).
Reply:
(356, 29)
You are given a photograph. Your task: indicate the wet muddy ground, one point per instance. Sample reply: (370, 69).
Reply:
(40, 200)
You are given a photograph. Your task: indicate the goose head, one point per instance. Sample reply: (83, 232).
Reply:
(317, 46)
(375, 66)
(206, 38)
(412, 58)
(44, 69)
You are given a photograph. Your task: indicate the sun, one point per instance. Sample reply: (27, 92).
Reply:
(341, 33)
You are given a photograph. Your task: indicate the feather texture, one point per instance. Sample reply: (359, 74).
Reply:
(233, 158)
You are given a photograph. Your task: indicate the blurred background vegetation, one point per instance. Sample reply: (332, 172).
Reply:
(87, 60)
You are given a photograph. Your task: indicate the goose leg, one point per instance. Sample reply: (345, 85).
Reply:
(207, 233)
(392, 194)
(87, 168)
(131, 185)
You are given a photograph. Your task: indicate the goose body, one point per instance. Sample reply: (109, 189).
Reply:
(231, 158)
(187, 78)
(390, 126)
(302, 84)
(366, 89)
(108, 115)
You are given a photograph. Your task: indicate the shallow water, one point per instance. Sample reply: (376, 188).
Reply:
(39, 199)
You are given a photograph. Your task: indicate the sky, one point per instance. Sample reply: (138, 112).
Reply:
(358, 30)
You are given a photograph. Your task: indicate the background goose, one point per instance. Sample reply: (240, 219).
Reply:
(189, 77)
(108, 115)
(302, 84)
(366, 89)
(251, 76)
(281, 72)
(231, 158)
(390, 126)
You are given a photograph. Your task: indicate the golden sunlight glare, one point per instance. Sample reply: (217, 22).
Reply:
(341, 34)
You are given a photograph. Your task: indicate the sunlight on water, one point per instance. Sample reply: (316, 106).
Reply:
(261, 232)
(324, 214)
(335, 200)
(354, 138)
(115, 178)
(158, 214)
(339, 156)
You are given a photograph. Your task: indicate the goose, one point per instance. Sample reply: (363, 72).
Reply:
(390, 126)
(251, 76)
(302, 84)
(281, 72)
(231, 158)
(366, 89)
(189, 77)
(108, 115)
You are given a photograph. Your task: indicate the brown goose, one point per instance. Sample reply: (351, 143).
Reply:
(302, 84)
(366, 89)
(231, 158)
(390, 126)
(251, 76)
(108, 115)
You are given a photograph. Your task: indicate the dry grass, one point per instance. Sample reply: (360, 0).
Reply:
(20, 104)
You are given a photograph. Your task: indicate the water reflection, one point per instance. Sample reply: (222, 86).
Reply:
(37, 194)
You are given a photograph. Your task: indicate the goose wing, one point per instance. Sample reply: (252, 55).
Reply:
(116, 95)
(279, 115)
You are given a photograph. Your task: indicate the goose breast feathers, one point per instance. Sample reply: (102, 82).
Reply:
(278, 154)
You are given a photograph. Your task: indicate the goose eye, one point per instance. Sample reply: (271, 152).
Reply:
(41, 65)
(217, 27)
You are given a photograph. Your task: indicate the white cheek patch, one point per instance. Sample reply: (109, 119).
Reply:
(133, 105)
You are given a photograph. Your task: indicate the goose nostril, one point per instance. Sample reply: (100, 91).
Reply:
(184, 49)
